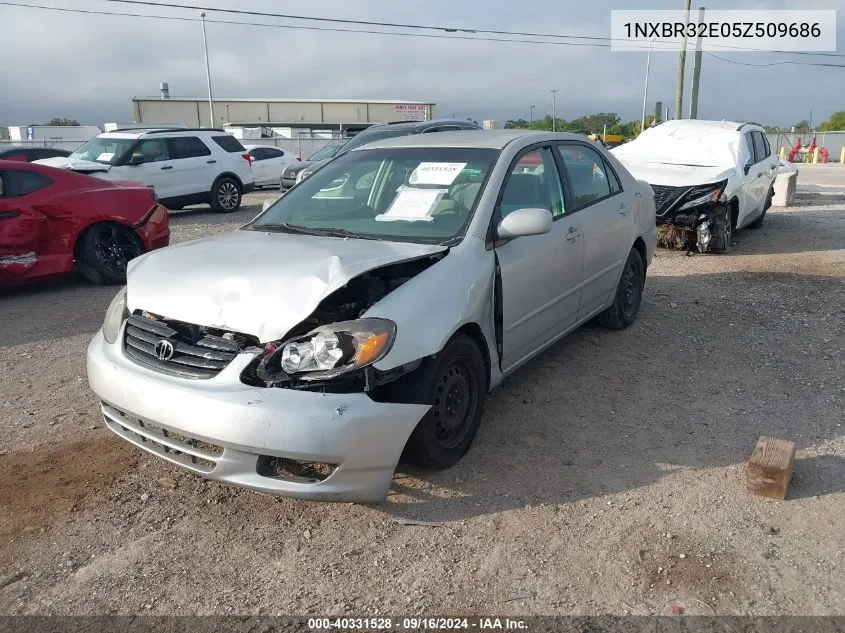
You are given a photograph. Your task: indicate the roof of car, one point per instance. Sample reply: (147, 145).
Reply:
(703, 126)
(139, 132)
(491, 139)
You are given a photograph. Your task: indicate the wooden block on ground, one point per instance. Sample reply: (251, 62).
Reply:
(770, 467)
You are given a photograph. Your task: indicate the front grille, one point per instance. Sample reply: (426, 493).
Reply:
(664, 197)
(192, 453)
(181, 349)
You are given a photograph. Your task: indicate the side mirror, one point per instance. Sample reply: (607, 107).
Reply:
(524, 222)
(747, 168)
(136, 159)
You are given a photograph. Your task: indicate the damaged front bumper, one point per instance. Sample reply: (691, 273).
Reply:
(320, 446)
(692, 229)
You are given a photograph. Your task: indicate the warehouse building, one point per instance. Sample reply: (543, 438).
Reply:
(313, 114)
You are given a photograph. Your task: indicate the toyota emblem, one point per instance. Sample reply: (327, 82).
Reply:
(164, 350)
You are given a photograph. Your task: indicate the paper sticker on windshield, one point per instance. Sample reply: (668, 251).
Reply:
(413, 205)
(436, 173)
(105, 156)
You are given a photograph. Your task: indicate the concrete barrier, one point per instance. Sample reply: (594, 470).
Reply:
(785, 184)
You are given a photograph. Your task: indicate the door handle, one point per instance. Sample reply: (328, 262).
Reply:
(624, 208)
(208, 162)
(8, 215)
(573, 234)
(167, 167)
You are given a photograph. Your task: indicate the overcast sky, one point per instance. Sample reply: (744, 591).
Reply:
(88, 67)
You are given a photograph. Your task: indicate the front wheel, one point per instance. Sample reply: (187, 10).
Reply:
(105, 250)
(225, 195)
(455, 384)
(721, 231)
(629, 294)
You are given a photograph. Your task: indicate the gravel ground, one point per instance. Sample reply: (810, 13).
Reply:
(607, 476)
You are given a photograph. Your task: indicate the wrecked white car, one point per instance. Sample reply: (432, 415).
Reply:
(710, 179)
(367, 313)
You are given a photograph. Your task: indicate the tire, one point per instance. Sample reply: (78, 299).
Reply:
(225, 195)
(104, 250)
(758, 223)
(454, 379)
(722, 229)
(629, 295)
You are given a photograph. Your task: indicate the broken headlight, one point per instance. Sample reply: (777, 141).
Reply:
(703, 195)
(115, 316)
(330, 350)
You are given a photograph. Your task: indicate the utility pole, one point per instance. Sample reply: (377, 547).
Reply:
(682, 61)
(531, 114)
(696, 70)
(645, 89)
(207, 72)
(554, 113)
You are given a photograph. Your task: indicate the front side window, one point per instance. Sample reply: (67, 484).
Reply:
(187, 147)
(153, 150)
(423, 195)
(105, 150)
(587, 174)
(533, 183)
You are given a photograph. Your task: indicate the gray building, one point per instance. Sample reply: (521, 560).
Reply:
(323, 114)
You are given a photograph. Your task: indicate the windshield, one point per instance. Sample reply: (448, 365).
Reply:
(103, 150)
(420, 194)
(325, 152)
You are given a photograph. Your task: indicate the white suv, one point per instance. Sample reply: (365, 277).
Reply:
(710, 179)
(185, 166)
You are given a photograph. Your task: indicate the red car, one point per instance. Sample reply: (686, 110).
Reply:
(53, 221)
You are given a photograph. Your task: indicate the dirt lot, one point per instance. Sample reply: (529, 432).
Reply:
(607, 476)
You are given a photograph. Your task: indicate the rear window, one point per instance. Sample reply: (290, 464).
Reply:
(229, 143)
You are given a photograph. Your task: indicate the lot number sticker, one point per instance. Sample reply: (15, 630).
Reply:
(436, 173)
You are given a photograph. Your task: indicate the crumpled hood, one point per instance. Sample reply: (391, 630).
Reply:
(65, 162)
(255, 282)
(671, 175)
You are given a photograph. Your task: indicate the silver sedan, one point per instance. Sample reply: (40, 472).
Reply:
(368, 313)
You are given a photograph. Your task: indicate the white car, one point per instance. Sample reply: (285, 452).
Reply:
(184, 166)
(268, 163)
(710, 179)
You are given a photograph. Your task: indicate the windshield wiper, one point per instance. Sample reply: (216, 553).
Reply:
(304, 230)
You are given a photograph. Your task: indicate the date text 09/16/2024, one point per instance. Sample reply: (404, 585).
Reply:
(417, 623)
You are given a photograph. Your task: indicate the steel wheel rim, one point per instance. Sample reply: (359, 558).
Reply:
(114, 248)
(227, 195)
(630, 289)
(455, 403)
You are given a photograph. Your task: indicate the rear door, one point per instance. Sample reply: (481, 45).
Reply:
(23, 230)
(192, 173)
(540, 274)
(606, 212)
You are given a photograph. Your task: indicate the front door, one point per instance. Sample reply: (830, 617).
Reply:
(156, 171)
(540, 274)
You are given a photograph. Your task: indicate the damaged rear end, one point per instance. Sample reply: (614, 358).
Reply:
(694, 217)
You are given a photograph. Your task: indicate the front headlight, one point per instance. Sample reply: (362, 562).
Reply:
(703, 196)
(331, 350)
(115, 316)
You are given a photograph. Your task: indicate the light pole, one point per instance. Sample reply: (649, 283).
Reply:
(531, 114)
(554, 113)
(207, 72)
(645, 90)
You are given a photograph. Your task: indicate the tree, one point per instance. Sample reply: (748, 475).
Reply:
(63, 122)
(516, 124)
(802, 127)
(836, 122)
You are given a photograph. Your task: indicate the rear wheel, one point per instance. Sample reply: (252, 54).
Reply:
(104, 251)
(225, 195)
(455, 384)
(629, 295)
